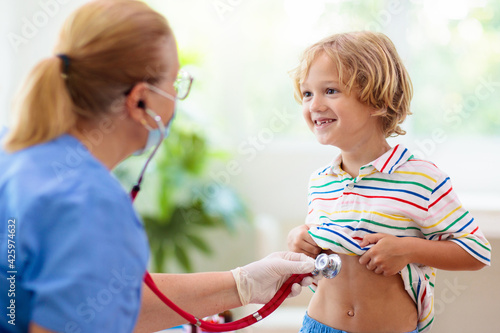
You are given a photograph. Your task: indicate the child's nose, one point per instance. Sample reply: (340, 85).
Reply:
(317, 104)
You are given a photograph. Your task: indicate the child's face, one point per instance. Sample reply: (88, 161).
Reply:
(335, 117)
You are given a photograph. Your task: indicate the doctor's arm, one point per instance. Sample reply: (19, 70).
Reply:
(201, 294)
(205, 294)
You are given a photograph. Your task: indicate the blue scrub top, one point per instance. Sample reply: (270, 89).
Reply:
(78, 249)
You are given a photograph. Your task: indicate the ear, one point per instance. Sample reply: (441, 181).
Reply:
(135, 103)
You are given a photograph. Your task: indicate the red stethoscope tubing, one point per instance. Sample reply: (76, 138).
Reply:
(265, 311)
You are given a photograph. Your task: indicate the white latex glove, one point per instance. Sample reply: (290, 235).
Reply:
(259, 281)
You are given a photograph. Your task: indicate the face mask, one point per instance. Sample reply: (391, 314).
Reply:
(155, 134)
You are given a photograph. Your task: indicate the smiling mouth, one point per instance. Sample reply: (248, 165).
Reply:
(322, 122)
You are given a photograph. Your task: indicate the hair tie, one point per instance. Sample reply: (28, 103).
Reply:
(65, 61)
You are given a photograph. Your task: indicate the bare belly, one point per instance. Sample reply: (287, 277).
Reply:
(358, 300)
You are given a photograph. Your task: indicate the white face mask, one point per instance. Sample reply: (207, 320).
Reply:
(155, 135)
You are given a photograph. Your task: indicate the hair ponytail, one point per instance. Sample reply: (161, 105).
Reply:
(43, 107)
(112, 45)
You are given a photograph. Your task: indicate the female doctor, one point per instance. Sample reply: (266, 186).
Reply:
(79, 249)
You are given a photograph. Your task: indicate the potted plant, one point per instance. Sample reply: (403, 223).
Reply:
(179, 201)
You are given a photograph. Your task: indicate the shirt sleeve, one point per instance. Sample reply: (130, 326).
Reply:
(447, 219)
(88, 254)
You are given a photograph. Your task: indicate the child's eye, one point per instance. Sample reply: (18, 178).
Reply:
(331, 91)
(306, 94)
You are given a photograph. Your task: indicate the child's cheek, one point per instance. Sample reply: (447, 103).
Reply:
(307, 117)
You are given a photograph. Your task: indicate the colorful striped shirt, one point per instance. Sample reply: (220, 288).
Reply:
(395, 194)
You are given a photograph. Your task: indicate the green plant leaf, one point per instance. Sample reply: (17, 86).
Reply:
(182, 257)
(199, 243)
(179, 199)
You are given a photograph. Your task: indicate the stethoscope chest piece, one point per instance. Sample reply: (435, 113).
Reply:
(328, 265)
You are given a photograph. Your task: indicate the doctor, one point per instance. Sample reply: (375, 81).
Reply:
(77, 249)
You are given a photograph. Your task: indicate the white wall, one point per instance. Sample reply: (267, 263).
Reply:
(28, 30)
(6, 59)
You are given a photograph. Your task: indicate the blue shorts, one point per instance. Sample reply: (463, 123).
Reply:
(310, 325)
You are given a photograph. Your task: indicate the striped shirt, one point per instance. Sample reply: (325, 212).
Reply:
(395, 194)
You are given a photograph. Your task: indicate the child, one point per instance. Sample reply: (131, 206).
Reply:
(392, 218)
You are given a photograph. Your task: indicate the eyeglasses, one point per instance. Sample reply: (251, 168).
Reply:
(182, 84)
(161, 92)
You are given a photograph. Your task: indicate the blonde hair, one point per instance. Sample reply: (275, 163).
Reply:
(368, 62)
(111, 45)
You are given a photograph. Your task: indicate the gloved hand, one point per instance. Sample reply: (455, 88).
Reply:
(259, 281)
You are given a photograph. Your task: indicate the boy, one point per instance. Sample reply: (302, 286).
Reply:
(391, 217)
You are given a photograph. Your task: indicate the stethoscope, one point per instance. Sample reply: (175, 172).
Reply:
(327, 265)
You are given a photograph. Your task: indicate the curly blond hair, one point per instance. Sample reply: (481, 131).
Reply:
(368, 62)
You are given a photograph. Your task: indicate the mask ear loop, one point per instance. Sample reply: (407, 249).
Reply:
(145, 124)
(137, 187)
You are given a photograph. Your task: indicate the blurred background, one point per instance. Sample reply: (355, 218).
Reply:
(232, 180)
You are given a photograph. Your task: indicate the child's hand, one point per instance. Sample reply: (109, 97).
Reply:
(300, 241)
(387, 256)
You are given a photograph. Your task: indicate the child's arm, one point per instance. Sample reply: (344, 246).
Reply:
(390, 254)
(453, 240)
(300, 241)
